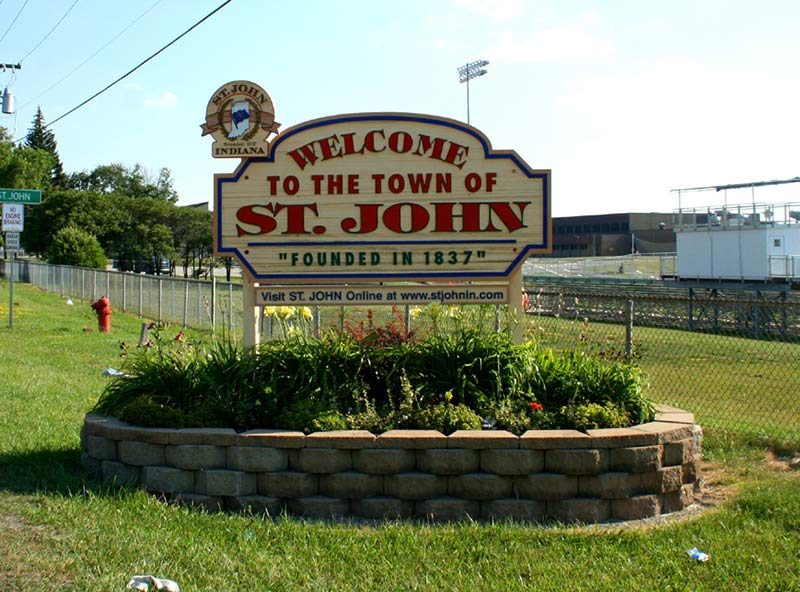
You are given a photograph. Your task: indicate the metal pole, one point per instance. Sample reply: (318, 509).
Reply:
(629, 333)
(11, 292)
(185, 302)
(467, 100)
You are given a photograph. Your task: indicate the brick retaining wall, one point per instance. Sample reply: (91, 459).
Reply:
(563, 475)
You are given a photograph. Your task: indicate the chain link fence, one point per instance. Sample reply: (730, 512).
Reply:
(200, 304)
(731, 356)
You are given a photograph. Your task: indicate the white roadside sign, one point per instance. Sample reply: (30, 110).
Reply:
(12, 241)
(13, 217)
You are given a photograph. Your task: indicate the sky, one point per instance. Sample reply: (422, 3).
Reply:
(622, 100)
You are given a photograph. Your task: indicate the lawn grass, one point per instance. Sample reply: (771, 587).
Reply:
(60, 530)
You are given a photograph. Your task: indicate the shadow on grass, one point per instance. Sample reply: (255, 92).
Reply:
(50, 471)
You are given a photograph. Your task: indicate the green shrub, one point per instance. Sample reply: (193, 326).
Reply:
(73, 246)
(461, 380)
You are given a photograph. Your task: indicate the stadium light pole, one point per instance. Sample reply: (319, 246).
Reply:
(469, 71)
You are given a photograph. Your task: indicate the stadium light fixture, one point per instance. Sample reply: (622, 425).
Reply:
(469, 71)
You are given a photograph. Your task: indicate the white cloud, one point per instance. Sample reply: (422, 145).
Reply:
(165, 101)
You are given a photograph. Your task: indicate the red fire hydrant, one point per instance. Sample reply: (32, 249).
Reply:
(103, 310)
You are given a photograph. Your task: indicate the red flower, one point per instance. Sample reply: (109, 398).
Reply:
(180, 336)
(536, 406)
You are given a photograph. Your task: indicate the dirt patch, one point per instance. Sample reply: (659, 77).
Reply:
(27, 556)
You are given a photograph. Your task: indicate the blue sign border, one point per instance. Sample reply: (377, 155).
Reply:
(488, 153)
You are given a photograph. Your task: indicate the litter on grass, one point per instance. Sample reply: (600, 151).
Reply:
(697, 554)
(112, 372)
(143, 583)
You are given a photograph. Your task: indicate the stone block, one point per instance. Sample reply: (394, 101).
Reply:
(677, 453)
(636, 507)
(318, 507)
(576, 461)
(479, 486)
(638, 459)
(661, 481)
(666, 432)
(608, 485)
(546, 486)
(91, 465)
(351, 485)
(257, 459)
(226, 483)
(120, 474)
(449, 461)
(411, 439)
(675, 501)
(209, 503)
(690, 472)
(95, 424)
(512, 462)
(255, 504)
(272, 439)
(621, 437)
(384, 461)
(320, 460)
(414, 486)
(448, 509)
(101, 448)
(119, 430)
(209, 436)
(288, 484)
(513, 509)
(551, 439)
(482, 439)
(168, 480)
(193, 457)
(676, 416)
(382, 508)
(579, 510)
(341, 440)
(141, 453)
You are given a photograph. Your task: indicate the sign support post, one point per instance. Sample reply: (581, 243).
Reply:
(250, 331)
(517, 316)
(11, 292)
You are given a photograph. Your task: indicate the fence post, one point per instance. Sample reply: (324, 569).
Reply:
(213, 304)
(160, 298)
(629, 332)
(185, 302)
(141, 295)
(230, 307)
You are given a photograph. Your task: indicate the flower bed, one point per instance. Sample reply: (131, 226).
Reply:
(563, 475)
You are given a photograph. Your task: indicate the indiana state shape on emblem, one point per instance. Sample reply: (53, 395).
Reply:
(240, 119)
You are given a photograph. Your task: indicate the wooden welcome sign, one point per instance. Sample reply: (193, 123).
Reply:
(369, 198)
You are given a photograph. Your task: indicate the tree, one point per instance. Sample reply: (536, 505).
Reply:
(41, 138)
(23, 167)
(193, 239)
(73, 246)
(130, 182)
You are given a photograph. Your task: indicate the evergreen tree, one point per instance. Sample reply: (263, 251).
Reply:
(41, 138)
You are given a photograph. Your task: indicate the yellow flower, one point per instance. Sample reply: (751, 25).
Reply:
(284, 312)
(306, 313)
(269, 311)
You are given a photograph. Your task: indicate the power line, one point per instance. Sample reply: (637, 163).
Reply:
(14, 21)
(27, 55)
(142, 63)
(91, 57)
